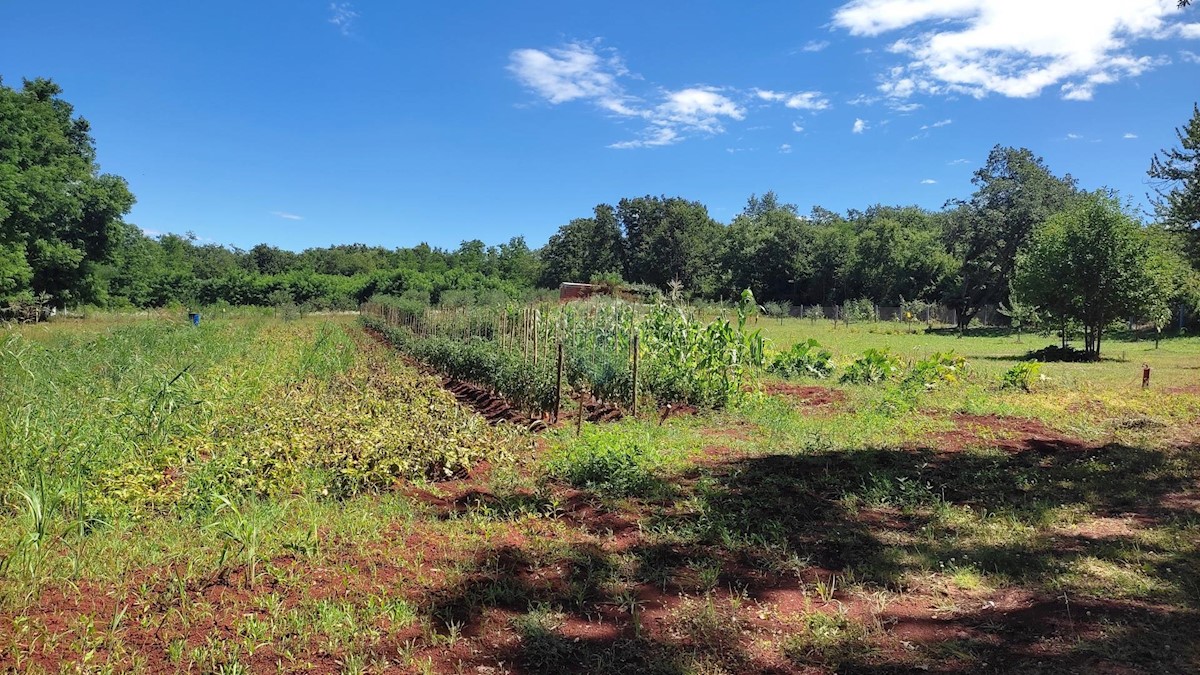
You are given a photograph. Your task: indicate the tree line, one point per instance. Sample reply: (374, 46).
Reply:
(1020, 238)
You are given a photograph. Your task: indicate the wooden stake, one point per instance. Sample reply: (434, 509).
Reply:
(633, 407)
(579, 419)
(558, 386)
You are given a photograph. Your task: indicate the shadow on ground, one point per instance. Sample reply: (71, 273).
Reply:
(1083, 553)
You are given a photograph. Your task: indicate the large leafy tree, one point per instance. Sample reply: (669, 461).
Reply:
(59, 216)
(582, 249)
(1014, 192)
(897, 255)
(671, 239)
(1176, 172)
(767, 249)
(1091, 263)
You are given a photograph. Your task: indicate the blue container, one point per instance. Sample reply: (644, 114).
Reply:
(195, 317)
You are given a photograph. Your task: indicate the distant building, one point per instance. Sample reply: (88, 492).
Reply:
(571, 291)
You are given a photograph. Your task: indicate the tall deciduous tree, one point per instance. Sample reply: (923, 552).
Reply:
(57, 211)
(1176, 172)
(1090, 263)
(767, 250)
(582, 249)
(1014, 192)
(671, 239)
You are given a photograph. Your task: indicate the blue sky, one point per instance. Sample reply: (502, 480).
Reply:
(307, 123)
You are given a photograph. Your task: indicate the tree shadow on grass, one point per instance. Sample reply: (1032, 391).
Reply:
(1123, 599)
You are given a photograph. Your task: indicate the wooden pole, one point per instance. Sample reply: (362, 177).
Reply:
(558, 386)
(633, 407)
(579, 419)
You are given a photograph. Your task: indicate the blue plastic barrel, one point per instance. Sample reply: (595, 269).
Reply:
(195, 317)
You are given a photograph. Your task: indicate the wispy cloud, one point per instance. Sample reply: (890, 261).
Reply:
(588, 72)
(150, 233)
(929, 181)
(343, 15)
(1015, 48)
(803, 100)
(938, 124)
(1129, 136)
(860, 125)
(1189, 56)
(956, 162)
(286, 216)
(797, 128)
(815, 46)
(1074, 137)
(785, 149)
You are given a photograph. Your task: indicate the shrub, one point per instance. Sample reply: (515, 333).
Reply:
(804, 359)
(1023, 375)
(939, 368)
(614, 469)
(874, 366)
(1060, 354)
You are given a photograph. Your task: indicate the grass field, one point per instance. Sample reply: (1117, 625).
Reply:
(261, 495)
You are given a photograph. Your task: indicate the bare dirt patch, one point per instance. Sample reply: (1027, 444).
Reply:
(806, 396)
(1013, 434)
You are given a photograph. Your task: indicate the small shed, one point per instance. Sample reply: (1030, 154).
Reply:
(568, 291)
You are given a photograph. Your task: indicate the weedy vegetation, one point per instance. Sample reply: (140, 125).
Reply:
(265, 494)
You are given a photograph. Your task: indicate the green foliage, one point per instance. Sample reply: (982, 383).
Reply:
(804, 359)
(59, 216)
(609, 466)
(861, 309)
(940, 368)
(1177, 181)
(1023, 375)
(1015, 193)
(873, 367)
(1091, 263)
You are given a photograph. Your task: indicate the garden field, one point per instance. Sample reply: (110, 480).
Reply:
(283, 494)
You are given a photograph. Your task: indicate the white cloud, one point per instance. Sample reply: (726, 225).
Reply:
(574, 71)
(1189, 31)
(1073, 137)
(860, 125)
(803, 100)
(150, 233)
(797, 128)
(939, 123)
(1129, 136)
(929, 181)
(785, 149)
(863, 99)
(905, 107)
(956, 162)
(652, 138)
(1189, 56)
(768, 95)
(583, 71)
(698, 108)
(1014, 48)
(287, 216)
(343, 15)
(807, 100)
(815, 45)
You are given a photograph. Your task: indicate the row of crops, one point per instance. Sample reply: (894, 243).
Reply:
(170, 418)
(614, 351)
(620, 352)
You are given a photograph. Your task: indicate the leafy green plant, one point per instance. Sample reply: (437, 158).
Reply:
(804, 359)
(937, 369)
(1023, 375)
(873, 367)
(617, 470)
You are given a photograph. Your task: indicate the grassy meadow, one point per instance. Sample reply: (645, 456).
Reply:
(262, 494)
